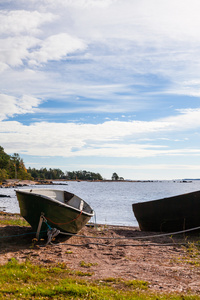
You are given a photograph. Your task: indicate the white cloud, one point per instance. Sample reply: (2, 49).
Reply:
(108, 139)
(76, 4)
(157, 37)
(3, 67)
(23, 22)
(15, 49)
(56, 47)
(137, 167)
(10, 105)
(19, 32)
(132, 151)
(139, 21)
(187, 119)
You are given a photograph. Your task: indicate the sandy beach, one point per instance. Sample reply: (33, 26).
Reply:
(112, 251)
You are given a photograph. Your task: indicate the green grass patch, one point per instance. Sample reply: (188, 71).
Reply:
(192, 254)
(126, 284)
(80, 273)
(28, 281)
(14, 222)
(87, 265)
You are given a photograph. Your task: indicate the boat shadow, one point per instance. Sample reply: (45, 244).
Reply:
(14, 238)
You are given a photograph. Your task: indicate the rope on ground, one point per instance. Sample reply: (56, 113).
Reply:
(133, 237)
(21, 234)
(124, 245)
(127, 238)
(52, 232)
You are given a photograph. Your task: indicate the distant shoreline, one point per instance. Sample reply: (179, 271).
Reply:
(9, 183)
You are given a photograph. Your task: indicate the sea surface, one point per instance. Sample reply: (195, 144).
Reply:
(111, 201)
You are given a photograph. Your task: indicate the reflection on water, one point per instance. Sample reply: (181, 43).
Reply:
(112, 201)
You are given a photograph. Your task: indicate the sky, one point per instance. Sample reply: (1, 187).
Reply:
(102, 85)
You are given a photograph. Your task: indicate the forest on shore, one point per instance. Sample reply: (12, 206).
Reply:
(44, 173)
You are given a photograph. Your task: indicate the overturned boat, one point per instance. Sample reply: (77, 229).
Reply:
(171, 214)
(62, 210)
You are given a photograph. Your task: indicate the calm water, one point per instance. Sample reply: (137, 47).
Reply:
(111, 200)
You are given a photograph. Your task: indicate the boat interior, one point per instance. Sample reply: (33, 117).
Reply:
(63, 197)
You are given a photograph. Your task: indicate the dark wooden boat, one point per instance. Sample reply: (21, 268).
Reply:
(62, 210)
(169, 214)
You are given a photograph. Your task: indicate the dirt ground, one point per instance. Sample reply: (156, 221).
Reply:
(162, 261)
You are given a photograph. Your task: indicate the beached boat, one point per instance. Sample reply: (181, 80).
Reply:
(62, 210)
(169, 214)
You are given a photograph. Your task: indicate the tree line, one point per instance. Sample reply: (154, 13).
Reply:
(52, 174)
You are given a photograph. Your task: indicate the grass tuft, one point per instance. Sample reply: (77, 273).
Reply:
(87, 265)
(14, 222)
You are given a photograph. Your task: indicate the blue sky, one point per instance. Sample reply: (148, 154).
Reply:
(102, 85)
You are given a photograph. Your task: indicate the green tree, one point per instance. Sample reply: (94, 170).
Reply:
(43, 173)
(18, 169)
(4, 159)
(3, 174)
(115, 176)
(12, 166)
(82, 175)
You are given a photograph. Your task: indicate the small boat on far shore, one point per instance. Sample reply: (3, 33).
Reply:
(62, 210)
(171, 214)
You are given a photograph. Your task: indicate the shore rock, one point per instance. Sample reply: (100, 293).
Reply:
(12, 183)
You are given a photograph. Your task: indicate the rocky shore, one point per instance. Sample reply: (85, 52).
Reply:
(9, 183)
